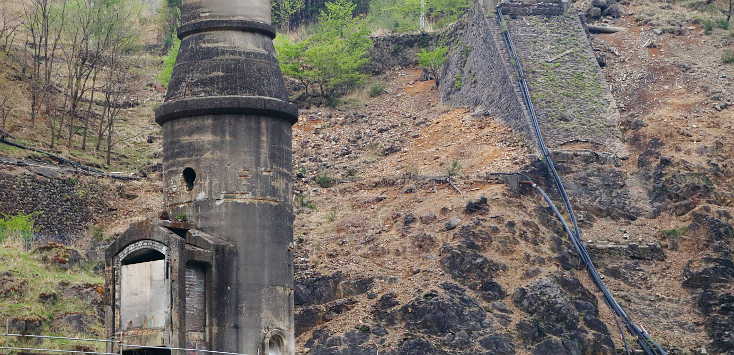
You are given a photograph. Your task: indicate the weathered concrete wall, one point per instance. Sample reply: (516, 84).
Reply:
(573, 101)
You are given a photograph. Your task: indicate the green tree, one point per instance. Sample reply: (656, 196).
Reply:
(283, 11)
(331, 58)
(405, 15)
(432, 60)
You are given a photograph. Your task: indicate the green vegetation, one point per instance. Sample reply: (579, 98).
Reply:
(17, 226)
(376, 90)
(405, 15)
(283, 11)
(331, 216)
(331, 58)
(432, 60)
(169, 61)
(302, 200)
(28, 281)
(458, 81)
(454, 169)
(324, 180)
(728, 56)
(169, 17)
(674, 233)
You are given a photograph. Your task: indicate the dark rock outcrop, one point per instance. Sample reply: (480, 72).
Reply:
(473, 270)
(563, 318)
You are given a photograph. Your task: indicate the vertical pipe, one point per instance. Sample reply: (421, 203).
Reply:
(226, 125)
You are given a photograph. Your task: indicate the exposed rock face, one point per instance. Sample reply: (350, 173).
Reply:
(473, 270)
(321, 298)
(441, 321)
(712, 276)
(596, 183)
(563, 318)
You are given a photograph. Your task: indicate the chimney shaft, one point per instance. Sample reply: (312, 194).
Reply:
(226, 125)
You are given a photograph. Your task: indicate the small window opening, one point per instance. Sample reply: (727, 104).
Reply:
(189, 176)
(276, 345)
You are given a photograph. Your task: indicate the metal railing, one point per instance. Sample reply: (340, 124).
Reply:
(121, 346)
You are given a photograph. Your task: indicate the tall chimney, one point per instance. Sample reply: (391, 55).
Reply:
(227, 168)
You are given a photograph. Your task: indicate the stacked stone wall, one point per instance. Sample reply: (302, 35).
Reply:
(571, 97)
(534, 7)
(477, 73)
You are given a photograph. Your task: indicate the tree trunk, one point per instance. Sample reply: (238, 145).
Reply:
(89, 111)
(109, 138)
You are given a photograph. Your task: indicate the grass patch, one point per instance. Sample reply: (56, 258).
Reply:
(35, 278)
(301, 200)
(674, 233)
(376, 90)
(17, 227)
(728, 56)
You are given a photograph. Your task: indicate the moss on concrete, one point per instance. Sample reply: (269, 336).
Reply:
(568, 91)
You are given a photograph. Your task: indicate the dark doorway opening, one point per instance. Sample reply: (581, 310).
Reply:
(147, 351)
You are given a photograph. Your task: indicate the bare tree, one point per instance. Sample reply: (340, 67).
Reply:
(731, 10)
(43, 20)
(9, 25)
(5, 110)
(86, 39)
(119, 90)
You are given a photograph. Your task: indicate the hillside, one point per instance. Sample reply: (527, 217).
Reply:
(404, 241)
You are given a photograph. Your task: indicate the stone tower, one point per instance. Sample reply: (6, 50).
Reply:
(223, 251)
(227, 161)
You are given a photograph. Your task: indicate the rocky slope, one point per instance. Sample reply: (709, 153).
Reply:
(406, 244)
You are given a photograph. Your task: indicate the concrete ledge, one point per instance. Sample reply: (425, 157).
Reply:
(225, 25)
(217, 105)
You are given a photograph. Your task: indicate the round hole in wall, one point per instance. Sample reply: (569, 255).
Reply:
(276, 345)
(189, 176)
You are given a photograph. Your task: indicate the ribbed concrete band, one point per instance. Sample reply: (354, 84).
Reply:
(225, 25)
(249, 105)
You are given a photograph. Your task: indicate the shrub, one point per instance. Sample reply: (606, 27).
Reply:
(454, 169)
(302, 200)
(708, 26)
(722, 23)
(458, 82)
(728, 56)
(376, 90)
(324, 181)
(432, 60)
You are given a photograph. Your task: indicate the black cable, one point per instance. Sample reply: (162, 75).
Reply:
(643, 338)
